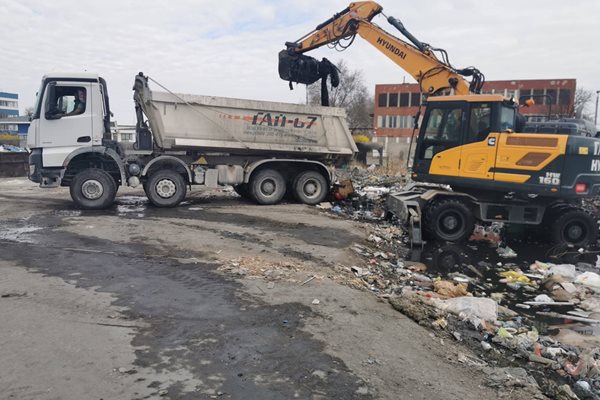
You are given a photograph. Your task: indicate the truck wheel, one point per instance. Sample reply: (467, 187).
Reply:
(310, 187)
(575, 227)
(165, 188)
(93, 189)
(449, 220)
(267, 187)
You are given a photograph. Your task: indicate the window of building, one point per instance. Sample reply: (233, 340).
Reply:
(381, 121)
(126, 136)
(392, 121)
(404, 97)
(564, 97)
(551, 96)
(525, 94)
(382, 101)
(415, 99)
(7, 103)
(393, 100)
(406, 122)
(537, 93)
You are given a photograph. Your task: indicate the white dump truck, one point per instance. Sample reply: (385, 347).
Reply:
(264, 149)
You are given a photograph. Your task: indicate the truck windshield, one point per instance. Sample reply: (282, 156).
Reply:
(38, 99)
(507, 118)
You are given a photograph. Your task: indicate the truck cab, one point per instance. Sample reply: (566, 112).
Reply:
(59, 131)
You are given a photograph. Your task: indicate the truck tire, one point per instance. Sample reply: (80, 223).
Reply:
(449, 220)
(93, 189)
(165, 188)
(267, 187)
(574, 227)
(310, 187)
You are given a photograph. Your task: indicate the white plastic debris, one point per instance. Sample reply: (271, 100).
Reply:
(316, 301)
(564, 270)
(589, 279)
(506, 252)
(481, 307)
(543, 298)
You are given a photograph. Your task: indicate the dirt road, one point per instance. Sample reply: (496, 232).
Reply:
(137, 302)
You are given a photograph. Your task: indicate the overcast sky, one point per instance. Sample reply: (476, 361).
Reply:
(229, 48)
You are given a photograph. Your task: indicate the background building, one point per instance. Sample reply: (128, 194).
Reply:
(397, 104)
(9, 105)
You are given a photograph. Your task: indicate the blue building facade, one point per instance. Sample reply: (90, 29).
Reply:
(9, 105)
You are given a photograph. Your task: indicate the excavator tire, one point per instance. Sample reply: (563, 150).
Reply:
(448, 220)
(574, 227)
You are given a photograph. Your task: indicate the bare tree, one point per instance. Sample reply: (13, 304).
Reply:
(29, 111)
(351, 94)
(583, 102)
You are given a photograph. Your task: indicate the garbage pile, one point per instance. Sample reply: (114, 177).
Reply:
(362, 192)
(7, 148)
(543, 317)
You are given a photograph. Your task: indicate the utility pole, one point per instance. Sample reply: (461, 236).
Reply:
(596, 114)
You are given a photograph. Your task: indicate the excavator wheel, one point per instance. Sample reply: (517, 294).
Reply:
(448, 220)
(574, 227)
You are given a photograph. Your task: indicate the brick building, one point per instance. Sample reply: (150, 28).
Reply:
(397, 104)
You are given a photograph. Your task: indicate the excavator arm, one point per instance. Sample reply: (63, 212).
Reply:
(434, 75)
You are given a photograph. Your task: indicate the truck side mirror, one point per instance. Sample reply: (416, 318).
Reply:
(52, 112)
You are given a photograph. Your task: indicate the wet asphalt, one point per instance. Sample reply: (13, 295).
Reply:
(196, 320)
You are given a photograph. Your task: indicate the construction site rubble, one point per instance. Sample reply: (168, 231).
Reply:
(536, 324)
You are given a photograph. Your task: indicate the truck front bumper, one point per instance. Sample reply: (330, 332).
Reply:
(46, 177)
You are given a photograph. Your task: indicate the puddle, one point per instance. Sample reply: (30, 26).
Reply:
(18, 234)
(135, 206)
(67, 213)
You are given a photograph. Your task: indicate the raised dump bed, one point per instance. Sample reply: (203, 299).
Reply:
(184, 121)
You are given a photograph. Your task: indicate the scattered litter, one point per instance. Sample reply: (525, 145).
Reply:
(316, 301)
(506, 252)
(450, 289)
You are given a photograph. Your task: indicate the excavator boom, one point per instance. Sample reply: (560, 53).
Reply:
(416, 58)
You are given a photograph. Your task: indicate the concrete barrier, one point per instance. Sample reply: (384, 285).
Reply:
(14, 164)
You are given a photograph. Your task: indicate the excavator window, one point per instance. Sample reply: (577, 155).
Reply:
(480, 122)
(443, 130)
(507, 118)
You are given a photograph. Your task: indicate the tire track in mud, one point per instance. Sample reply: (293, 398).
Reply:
(202, 334)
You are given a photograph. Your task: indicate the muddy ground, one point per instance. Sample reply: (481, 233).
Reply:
(218, 298)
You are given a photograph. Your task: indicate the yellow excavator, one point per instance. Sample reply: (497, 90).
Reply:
(469, 144)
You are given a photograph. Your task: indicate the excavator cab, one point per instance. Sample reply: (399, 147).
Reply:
(473, 143)
(459, 135)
